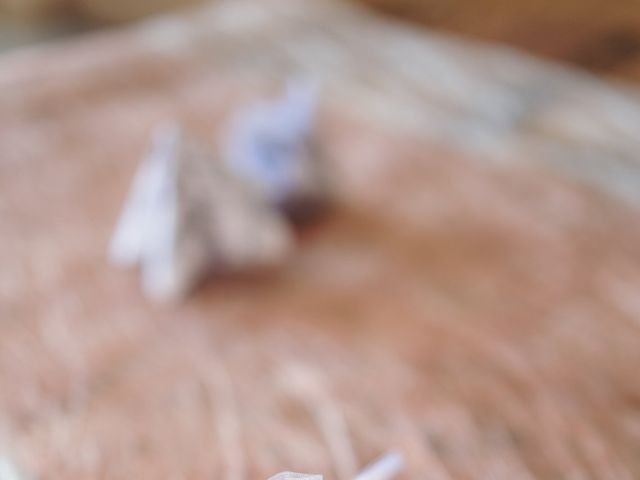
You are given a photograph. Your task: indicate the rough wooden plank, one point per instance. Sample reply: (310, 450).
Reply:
(464, 305)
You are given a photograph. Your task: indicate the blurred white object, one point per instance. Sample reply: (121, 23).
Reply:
(8, 471)
(385, 468)
(272, 144)
(187, 216)
(295, 476)
(151, 189)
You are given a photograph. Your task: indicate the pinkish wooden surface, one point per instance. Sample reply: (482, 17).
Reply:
(482, 319)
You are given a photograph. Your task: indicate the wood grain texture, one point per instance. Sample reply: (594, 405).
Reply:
(480, 317)
(599, 35)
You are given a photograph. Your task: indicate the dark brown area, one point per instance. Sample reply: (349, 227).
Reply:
(600, 35)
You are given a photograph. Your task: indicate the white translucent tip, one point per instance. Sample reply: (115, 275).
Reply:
(295, 476)
(385, 468)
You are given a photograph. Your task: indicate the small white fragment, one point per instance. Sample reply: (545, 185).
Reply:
(7, 470)
(187, 216)
(295, 476)
(272, 144)
(148, 190)
(385, 468)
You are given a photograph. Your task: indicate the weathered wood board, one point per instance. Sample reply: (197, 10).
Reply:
(468, 302)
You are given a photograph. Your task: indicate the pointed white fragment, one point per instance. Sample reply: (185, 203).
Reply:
(295, 476)
(187, 216)
(272, 144)
(385, 468)
(148, 190)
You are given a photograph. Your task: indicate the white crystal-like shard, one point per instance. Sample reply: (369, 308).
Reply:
(295, 476)
(384, 468)
(272, 144)
(149, 191)
(187, 215)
